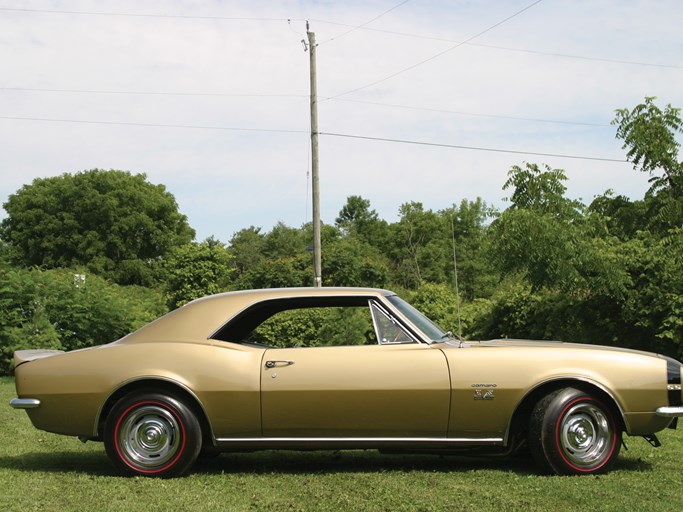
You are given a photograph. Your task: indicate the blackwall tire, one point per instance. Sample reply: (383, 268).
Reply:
(573, 433)
(152, 434)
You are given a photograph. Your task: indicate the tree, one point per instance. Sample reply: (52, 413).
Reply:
(649, 134)
(536, 235)
(420, 246)
(246, 248)
(194, 270)
(112, 222)
(541, 189)
(350, 261)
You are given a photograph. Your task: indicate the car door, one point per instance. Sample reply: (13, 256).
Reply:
(382, 390)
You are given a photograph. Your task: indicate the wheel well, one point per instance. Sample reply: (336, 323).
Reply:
(158, 386)
(520, 419)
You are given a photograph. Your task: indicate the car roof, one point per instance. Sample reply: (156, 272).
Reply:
(198, 320)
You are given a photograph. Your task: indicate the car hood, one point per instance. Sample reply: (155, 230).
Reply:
(560, 345)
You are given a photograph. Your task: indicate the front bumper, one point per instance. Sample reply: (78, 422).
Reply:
(670, 412)
(25, 403)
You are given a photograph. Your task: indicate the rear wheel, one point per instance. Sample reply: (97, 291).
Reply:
(152, 434)
(573, 433)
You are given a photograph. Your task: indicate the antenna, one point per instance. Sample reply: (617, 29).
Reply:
(457, 290)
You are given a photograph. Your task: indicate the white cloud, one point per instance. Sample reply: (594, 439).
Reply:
(225, 180)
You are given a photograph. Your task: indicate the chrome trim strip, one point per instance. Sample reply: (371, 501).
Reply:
(351, 440)
(670, 412)
(25, 403)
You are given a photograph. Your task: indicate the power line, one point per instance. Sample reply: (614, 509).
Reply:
(441, 52)
(569, 56)
(473, 148)
(151, 125)
(302, 96)
(475, 114)
(352, 27)
(504, 48)
(329, 134)
(356, 27)
(142, 15)
(151, 93)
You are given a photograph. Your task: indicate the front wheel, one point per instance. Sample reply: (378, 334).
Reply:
(152, 434)
(573, 433)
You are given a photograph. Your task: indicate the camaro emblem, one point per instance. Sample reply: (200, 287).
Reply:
(484, 391)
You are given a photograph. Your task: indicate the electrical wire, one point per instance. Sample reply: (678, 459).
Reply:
(474, 114)
(473, 148)
(141, 15)
(304, 96)
(356, 27)
(151, 93)
(352, 27)
(152, 125)
(439, 54)
(504, 48)
(329, 134)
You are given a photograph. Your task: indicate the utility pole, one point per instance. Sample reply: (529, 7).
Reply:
(317, 259)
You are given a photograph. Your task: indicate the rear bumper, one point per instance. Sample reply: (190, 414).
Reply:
(25, 403)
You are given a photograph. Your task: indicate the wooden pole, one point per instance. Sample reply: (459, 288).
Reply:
(317, 258)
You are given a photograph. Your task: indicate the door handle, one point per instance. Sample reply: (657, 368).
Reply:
(278, 364)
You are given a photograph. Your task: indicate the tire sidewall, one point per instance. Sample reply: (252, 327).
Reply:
(546, 427)
(189, 431)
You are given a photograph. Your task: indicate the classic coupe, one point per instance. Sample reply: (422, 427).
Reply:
(342, 368)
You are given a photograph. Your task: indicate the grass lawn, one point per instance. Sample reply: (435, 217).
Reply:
(41, 471)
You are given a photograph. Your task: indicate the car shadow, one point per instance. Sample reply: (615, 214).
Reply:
(370, 461)
(293, 462)
(88, 463)
(350, 461)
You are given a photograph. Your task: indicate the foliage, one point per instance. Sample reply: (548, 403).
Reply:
(112, 223)
(312, 327)
(356, 216)
(194, 270)
(351, 261)
(649, 134)
(68, 310)
(541, 190)
(425, 246)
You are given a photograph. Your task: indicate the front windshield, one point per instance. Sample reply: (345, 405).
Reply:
(433, 331)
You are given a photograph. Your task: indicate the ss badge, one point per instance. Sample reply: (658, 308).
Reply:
(483, 394)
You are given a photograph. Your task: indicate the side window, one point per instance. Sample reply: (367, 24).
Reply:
(388, 330)
(316, 327)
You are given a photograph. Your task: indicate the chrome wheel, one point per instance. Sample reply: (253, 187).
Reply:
(573, 433)
(585, 435)
(150, 436)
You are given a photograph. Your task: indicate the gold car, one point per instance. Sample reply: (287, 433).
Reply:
(335, 368)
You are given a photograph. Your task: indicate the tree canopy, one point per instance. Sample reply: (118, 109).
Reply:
(113, 223)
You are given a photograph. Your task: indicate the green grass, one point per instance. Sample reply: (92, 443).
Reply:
(41, 471)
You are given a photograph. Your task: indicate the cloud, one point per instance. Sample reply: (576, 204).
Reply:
(253, 74)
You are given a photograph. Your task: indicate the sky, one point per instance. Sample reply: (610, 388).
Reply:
(420, 100)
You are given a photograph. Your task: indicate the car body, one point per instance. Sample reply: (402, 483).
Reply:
(219, 374)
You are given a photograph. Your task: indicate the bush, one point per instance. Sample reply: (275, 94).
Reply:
(67, 310)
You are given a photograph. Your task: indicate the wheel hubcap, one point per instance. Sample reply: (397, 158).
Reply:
(149, 436)
(585, 435)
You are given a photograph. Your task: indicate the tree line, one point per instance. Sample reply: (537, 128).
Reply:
(86, 258)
